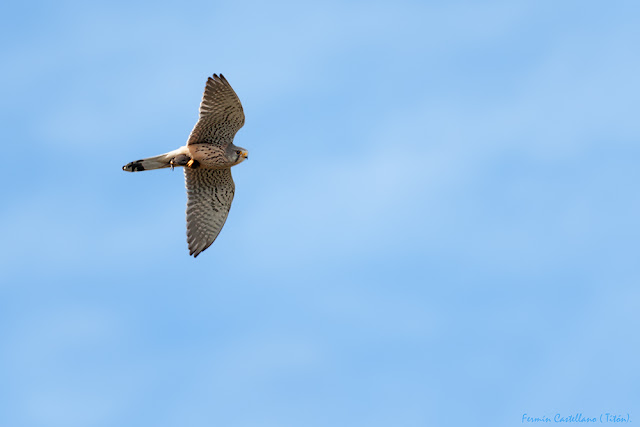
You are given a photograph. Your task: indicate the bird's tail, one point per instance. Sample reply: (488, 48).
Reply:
(178, 157)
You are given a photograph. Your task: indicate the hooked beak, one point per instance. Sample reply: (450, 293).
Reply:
(245, 154)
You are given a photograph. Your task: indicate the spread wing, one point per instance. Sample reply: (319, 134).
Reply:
(221, 114)
(209, 196)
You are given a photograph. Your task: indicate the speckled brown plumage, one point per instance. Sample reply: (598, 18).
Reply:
(221, 114)
(207, 160)
(209, 196)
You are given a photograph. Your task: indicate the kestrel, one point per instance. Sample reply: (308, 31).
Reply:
(207, 160)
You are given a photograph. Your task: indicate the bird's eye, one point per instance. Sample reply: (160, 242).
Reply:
(238, 152)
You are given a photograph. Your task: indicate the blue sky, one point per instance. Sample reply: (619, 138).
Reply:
(437, 225)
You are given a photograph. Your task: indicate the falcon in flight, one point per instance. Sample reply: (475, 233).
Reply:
(207, 160)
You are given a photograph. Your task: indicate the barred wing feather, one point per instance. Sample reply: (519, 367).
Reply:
(221, 114)
(209, 196)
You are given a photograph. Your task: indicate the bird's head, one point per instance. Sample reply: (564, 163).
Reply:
(236, 155)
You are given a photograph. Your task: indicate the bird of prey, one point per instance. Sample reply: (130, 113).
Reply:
(207, 160)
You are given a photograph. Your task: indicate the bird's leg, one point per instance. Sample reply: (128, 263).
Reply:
(193, 164)
(179, 160)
